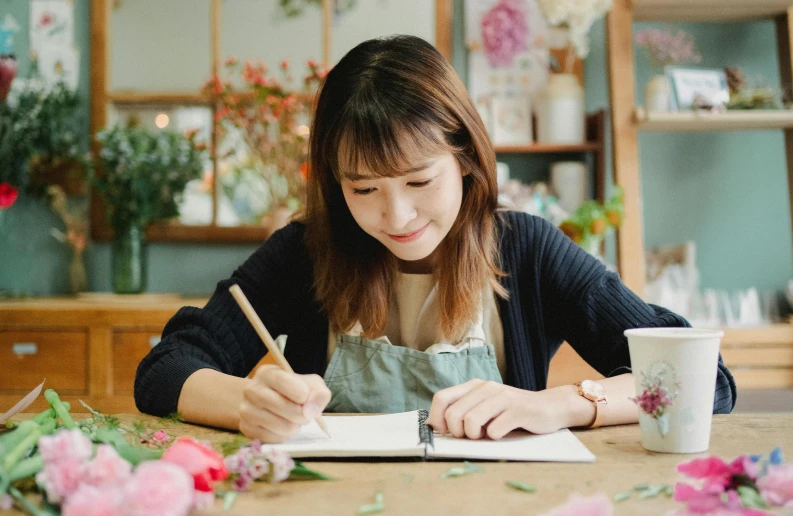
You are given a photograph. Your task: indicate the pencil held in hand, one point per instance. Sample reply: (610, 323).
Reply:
(272, 347)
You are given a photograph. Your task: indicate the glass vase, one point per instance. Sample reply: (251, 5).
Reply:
(78, 279)
(129, 260)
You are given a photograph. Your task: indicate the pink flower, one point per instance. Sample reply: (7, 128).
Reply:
(158, 487)
(776, 486)
(107, 468)
(160, 436)
(60, 479)
(577, 505)
(65, 445)
(90, 500)
(6, 502)
(282, 464)
(504, 32)
(200, 460)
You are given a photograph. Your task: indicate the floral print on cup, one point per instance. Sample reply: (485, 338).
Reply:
(661, 387)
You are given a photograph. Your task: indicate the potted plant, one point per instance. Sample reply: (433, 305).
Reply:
(664, 48)
(270, 116)
(588, 225)
(141, 177)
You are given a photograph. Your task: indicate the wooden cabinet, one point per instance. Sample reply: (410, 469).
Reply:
(86, 349)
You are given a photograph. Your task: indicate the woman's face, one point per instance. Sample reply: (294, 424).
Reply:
(409, 214)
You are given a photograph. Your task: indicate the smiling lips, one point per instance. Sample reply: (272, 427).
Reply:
(408, 237)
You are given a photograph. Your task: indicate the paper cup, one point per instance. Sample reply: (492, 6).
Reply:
(675, 371)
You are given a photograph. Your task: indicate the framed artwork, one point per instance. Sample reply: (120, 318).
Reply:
(507, 42)
(511, 124)
(688, 83)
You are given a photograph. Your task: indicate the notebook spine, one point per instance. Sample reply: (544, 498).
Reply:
(426, 435)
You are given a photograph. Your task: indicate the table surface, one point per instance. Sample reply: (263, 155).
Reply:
(415, 487)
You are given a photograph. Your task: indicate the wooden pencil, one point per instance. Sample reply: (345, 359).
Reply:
(272, 347)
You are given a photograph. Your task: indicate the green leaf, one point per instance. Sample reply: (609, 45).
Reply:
(228, 500)
(233, 445)
(301, 472)
(621, 497)
(371, 508)
(751, 498)
(521, 486)
(459, 471)
(173, 417)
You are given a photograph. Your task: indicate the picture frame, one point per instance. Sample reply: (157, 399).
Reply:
(687, 83)
(510, 120)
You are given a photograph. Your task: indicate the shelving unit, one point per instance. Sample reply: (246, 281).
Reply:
(760, 358)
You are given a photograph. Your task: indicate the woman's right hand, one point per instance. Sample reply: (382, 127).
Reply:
(276, 403)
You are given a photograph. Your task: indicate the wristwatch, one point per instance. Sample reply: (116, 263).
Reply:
(595, 393)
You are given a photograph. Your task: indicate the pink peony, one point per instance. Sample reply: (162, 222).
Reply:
(107, 468)
(60, 479)
(64, 445)
(158, 487)
(577, 505)
(776, 486)
(200, 460)
(90, 500)
(504, 32)
(8, 195)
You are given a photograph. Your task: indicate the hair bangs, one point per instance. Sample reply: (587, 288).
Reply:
(371, 144)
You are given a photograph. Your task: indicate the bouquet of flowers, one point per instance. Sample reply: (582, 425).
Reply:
(99, 465)
(578, 16)
(14, 140)
(665, 48)
(271, 119)
(142, 175)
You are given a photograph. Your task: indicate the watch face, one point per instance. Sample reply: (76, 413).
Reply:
(593, 390)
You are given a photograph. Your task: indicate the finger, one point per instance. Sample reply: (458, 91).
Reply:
(318, 397)
(289, 385)
(456, 414)
(477, 421)
(503, 424)
(267, 399)
(256, 432)
(264, 418)
(441, 401)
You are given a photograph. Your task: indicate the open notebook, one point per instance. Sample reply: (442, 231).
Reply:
(407, 435)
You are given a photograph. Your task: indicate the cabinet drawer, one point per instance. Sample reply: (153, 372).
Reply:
(28, 357)
(129, 348)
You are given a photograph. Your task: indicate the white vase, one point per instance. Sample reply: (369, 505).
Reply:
(570, 183)
(656, 95)
(560, 110)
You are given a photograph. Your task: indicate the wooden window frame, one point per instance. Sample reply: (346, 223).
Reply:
(100, 97)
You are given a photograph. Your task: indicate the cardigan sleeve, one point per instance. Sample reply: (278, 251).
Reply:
(219, 336)
(590, 308)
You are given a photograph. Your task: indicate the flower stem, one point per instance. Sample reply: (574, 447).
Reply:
(16, 453)
(25, 503)
(60, 408)
(26, 468)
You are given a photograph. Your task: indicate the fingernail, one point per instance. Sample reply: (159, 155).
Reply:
(311, 410)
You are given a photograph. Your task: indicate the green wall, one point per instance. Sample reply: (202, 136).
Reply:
(726, 191)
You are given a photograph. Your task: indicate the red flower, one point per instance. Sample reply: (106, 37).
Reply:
(8, 70)
(8, 195)
(202, 462)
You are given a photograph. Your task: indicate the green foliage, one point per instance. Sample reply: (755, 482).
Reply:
(142, 175)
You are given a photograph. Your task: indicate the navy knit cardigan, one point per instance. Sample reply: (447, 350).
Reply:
(557, 292)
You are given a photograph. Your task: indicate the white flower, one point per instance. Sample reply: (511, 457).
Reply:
(578, 15)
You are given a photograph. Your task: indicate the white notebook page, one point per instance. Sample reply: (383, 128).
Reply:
(560, 446)
(390, 435)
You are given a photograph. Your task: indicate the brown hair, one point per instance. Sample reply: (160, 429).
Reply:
(388, 102)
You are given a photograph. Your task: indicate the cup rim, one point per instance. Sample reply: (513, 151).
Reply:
(675, 333)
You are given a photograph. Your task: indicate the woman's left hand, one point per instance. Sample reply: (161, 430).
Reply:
(479, 408)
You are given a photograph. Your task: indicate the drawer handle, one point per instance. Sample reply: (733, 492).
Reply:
(154, 340)
(25, 348)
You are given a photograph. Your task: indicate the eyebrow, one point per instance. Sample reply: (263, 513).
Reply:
(364, 177)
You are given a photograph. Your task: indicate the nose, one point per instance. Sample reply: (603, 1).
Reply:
(398, 211)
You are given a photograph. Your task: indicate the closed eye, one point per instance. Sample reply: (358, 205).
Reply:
(419, 184)
(362, 191)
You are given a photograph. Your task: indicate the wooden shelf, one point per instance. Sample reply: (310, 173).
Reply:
(708, 10)
(729, 121)
(139, 97)
(771, 335)
(544, 148)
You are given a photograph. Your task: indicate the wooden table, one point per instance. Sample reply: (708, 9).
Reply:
(415, 488)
